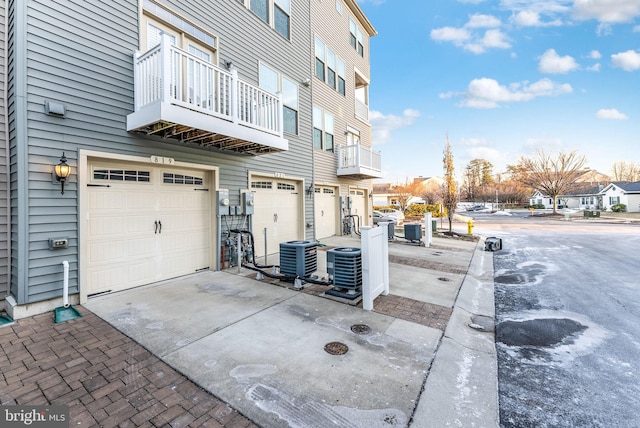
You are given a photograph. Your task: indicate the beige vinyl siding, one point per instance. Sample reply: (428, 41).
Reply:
(81, 55)
(333, 29)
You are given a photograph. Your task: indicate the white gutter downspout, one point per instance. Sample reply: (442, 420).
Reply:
(65, 284)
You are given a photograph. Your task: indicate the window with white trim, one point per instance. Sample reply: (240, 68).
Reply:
(272, 81)
(356, 38)
(323, 124)
(275, 13)
(156, 21)
(353, 136)
(339, 6)
(329, 67)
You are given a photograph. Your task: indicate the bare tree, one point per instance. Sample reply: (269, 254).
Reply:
(404, 192)
(626, 171)
(450, 193)
(431, 193)
(551, 175)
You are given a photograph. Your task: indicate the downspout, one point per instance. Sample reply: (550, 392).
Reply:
(5, 118)
(22, 150)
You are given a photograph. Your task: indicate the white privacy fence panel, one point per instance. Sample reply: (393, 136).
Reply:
(375, 263)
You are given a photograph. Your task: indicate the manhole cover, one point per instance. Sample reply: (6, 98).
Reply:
(360, 329)
(444, 279)
(336, 348)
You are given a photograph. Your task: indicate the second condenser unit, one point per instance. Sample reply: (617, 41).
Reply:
(344, 266)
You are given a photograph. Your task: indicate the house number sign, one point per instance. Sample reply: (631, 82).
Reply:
(159, 160)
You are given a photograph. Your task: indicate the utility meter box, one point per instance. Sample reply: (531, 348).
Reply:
(248, 202)
(223, 201)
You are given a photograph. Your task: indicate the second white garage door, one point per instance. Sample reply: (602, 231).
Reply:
(145, 224)
(326, 211)
(278, 209)
(359, 206)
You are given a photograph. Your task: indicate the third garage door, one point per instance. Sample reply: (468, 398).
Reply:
(326, 208)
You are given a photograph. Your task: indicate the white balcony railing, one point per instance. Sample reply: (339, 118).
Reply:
(358, 160)
(362, 110)
(171, 75)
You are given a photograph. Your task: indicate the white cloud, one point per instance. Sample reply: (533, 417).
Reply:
(470, 36)
(607, 11)
(483, 21)
(628, 61)
(552, 63)
(611, 113)
(383, 125)
(488, 93)
(451, 34)
(595, 54)
(531, 18)
(594, 67)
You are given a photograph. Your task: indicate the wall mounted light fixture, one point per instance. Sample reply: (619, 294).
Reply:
(62, 172)
(310, 190)
(306, 82)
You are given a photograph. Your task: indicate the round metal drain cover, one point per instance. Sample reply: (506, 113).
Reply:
(442, 278)
(360, 329)
(336, 348)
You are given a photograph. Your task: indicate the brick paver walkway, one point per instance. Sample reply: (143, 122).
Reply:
(104, 377)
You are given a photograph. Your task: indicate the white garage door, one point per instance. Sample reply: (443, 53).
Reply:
(326, 209)
(278, 209)
(145, 224)
(359, 206)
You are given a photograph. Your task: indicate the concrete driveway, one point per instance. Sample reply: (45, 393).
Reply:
(261, 347)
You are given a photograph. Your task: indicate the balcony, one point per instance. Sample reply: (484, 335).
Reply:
(359, 162)
(182, 97)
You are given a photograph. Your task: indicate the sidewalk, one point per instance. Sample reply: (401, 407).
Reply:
(428, 361)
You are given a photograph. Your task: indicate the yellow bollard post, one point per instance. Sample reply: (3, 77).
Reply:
(470, 227)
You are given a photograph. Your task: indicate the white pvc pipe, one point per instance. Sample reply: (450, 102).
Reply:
(65, 284)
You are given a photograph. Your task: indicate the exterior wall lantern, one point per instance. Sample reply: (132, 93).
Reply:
(62, 172)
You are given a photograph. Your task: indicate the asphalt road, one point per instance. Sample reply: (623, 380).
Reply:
(568, 319)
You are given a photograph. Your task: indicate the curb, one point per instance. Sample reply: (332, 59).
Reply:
(462, 386)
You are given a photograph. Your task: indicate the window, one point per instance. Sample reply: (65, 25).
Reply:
(281, 17)
(356, 38)
(320, 59)
(327, 62)
(339, 6)
(342, 72)
(275, 13)
(613, 200)
(322, 130)
(260, 8)
(328, 132)
(158, 20)
(353, 136)
(121, 175)
(331, 68)
(272, 81)
(317, 127)
(170, 178)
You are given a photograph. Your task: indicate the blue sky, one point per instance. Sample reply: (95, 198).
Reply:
(503, 79)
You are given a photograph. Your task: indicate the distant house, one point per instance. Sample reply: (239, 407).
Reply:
(621, 193)
(584, 195)
(384, 193)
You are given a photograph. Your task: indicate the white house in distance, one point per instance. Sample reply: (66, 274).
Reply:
(384, 194)
(599, 197)
(622, 193)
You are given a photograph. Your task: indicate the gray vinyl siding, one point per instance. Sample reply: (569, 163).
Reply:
(80, 54)
(4, 185)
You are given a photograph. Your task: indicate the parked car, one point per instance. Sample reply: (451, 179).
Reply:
(476, 208)
(395, 214)
(379, 217)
